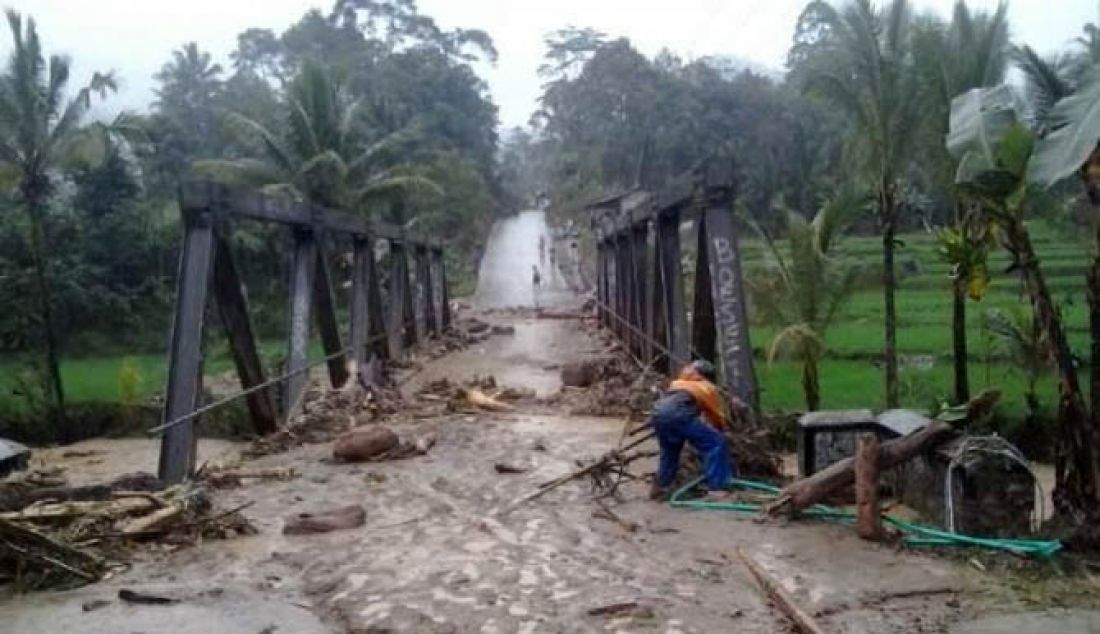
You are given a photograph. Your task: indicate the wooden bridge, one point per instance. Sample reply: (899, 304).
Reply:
(640, 277)
(383, 322)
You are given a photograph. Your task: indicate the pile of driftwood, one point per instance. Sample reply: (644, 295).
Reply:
(62, 536)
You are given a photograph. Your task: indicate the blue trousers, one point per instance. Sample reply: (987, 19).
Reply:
(676, 423)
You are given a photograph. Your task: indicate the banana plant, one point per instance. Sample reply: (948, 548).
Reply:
(996, 153)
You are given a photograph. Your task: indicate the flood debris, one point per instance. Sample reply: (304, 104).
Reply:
(68, 536)
(325, 521)
(143, 598)
(224, 477)
(505, 468)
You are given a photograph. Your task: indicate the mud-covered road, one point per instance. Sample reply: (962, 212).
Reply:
(444, 549)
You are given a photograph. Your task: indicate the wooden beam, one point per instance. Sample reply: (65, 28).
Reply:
(658, 330)
(445, 294)
(362, 250)
(730, 312)
(639, 240)
(184, 390)
(435, 271)
(327, 324)
(426, 312)
(868, 514)
(703, 332)
(242, 202)
(395, 323)
(668, 231)
(232, 304)
(376, 320)
(412, 333)
(303, 269)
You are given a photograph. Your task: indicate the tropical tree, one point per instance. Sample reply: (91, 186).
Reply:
(861, 60)
(970, 52)
(187, 110)
(326, 154)
(39, 133)
(807, 285)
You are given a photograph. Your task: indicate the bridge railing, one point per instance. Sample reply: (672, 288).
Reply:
(640, 278)
(414, 308)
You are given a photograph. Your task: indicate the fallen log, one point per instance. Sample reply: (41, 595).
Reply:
(809, 491)
(803, 621)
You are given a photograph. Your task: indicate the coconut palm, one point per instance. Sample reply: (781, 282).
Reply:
(326, 155)
(40, 131)
(864, 66)
(806, 286)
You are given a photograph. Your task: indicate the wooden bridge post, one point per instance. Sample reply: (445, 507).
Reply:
(703, 333)
(668, 233)
(412, 331)
(360, 300)
(184, 391)
(444, 294)
(395, 325)
(327, 324)
(625, 283)
(601, 280)
(730, 312)
(376, 320)
(427, 293)
(233, 309)
(656, 310)
(638, 264)
(435, 265)
(302, 288)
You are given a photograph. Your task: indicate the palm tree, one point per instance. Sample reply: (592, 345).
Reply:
(864, 66)
(326, 155)
(970, 52)
(187, 99)
(39, 132)
(807, 286)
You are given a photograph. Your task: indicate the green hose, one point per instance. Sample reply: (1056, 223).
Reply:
(919, 535)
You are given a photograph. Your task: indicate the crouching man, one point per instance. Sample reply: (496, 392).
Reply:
(691, 410)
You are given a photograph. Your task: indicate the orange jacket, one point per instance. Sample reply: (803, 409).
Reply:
(704, 393)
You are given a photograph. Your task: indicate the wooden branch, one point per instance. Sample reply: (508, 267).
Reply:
(803, 621)
(809, 491)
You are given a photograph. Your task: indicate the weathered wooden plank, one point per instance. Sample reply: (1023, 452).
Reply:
(639, 241)
(703, 332)
(657, 330)
(412, 333)
(242, 202)
(730, 312)
(232, 305)
(435, 262)
(668, 230)
(360, 317)
(601, 282)
(303, 269)
(445, 294)
(395, 323)
(327, 324)
(425, 311)
(184, 389)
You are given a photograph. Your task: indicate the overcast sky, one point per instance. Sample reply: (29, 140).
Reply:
(135, 37)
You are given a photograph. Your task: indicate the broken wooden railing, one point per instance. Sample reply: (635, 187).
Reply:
(417, 307)
(640, 278)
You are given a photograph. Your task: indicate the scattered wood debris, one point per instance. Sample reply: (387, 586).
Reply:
(67, 536)
(325, 521)
(784, 601)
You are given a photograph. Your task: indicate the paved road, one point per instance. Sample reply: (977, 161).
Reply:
(504, 278)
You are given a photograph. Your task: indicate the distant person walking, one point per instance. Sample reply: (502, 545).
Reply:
(536, 283)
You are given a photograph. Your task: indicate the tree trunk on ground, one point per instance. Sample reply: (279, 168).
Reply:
(36, 209)
(868, 519)
(958, 342)
(809, 491)
(889, 288)
(1075, 459)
